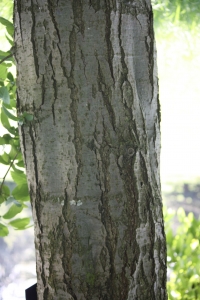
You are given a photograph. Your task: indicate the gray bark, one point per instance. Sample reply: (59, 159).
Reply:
(86, 70)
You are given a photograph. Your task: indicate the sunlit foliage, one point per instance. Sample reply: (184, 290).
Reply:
(183, 256)
(178, 12)
(11, 202)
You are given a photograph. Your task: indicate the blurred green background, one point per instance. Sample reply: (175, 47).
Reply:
(177, 28)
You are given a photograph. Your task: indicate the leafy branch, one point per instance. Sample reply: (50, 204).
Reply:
(6, 58)
(4, 178)
(11, 202)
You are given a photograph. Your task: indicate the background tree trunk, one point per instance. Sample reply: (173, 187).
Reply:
(86, 70)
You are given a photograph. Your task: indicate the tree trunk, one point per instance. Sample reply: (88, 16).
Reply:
(86, 70)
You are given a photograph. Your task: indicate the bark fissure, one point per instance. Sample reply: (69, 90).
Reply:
(67, 246)
(33, 39)
(149, 42)
(23, 143)
(78, 11)
(54, 86)
(31, 132)
(61, 62)
(74, 105)
(51, 7)
(124, 66)
(107, 36)
(106, 93)
(96, 5)
(43, 87)
(18, 10)
(111, 237)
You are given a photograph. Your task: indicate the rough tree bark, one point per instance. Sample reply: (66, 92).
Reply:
(86, 70)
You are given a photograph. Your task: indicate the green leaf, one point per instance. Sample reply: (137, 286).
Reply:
(4, 120)
(3, 71)
(5, 191)
(10, 77)
(2, 161)
(2, 141)
(11, 42)
(13, 152)
(20, 164)
(17, 170)
(9, 26)
(5, 159)
(3, 54)
(13, 103)
(19, 178)
(4, 95)
(7, 106)
(3, 230)
(21, 192)
(27, 116)
(7, 139)
(2, 199)
(16, 142)
(6, 124)
(13, 211)
(20, 223)
(19, 155)
(8, 65)
(9, 115)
